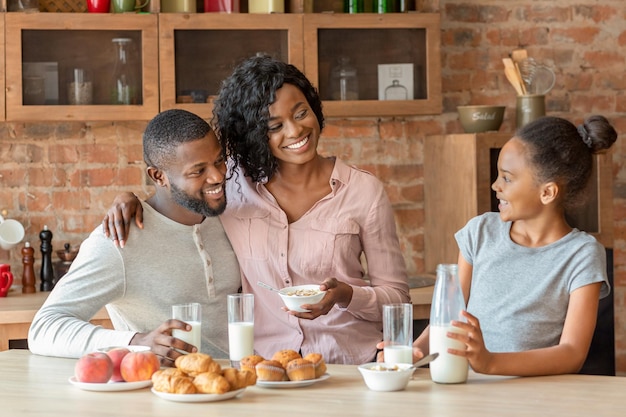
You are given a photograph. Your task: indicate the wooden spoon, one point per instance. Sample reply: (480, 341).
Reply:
(513, 75)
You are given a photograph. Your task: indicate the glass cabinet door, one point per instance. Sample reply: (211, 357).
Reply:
(79, 66)
(375, 64)
(197, 51)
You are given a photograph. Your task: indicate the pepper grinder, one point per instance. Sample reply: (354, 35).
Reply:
(47, 273)
(28, 275)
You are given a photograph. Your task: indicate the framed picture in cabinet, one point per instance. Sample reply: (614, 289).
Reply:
(81, 66)
(197, 51)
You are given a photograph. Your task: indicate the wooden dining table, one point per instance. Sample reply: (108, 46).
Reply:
(39, 386)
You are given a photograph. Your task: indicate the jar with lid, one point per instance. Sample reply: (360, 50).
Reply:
(80, 87)
(344, 81)
(124, 86)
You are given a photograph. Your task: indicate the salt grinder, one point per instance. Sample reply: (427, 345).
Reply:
(47, 273)
(28, 276)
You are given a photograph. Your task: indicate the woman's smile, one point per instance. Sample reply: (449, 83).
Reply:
(298, 145)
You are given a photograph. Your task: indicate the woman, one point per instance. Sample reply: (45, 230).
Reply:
(295, 217)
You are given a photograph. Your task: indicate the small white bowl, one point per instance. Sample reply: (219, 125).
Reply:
(293, 301)
(385, 379)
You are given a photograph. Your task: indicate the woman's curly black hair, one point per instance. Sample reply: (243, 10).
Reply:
(241, 111)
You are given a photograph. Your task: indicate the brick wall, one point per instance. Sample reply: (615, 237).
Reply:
(65, 175)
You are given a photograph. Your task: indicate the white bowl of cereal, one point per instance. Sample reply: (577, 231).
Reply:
(386, 377)
(294, 297)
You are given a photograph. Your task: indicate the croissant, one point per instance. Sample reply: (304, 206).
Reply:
(211, 383)
(194, 364)
(168, 381)
(238, 379)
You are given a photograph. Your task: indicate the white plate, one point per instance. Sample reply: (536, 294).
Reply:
(197, 398)
(110, 386)
(291, 384)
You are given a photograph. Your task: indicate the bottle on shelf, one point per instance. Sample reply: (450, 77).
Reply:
(124, 88)
(384, 6)
(344, 81)
(353, 6)
(447, 304)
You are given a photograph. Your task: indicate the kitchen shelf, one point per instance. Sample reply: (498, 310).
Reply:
(197, 51)
(458, 172)
(58, 42)
(183, 58)
(369, 39)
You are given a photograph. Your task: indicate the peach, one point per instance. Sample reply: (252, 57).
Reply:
(139, 366)
(116, 355)
(95, 367)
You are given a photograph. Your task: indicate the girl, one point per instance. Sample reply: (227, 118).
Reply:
(532, 282)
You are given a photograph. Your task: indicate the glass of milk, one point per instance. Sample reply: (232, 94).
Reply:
(240, 327)
(398, 333)
(190, 313)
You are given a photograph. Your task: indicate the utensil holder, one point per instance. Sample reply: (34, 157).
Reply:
(529, 108)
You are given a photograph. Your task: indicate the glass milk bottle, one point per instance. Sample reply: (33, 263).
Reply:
(447, 304)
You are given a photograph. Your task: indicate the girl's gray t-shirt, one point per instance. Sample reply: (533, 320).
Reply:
(521, 294)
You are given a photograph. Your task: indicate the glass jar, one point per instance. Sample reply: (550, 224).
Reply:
(266, 6)
(80, 87)
(124, 88)
(344, 81)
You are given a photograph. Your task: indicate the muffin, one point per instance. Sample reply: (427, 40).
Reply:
(300, 370)
(269, 370)
(248, 363)
(318, 363)
(285, 356)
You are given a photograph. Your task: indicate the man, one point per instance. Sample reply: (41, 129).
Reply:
(182, 255)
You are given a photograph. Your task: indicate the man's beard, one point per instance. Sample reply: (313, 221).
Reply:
(195, 204)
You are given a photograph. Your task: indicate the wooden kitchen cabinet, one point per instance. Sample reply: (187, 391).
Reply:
(458, 172)
(51, 45)
(197, 51)
(182, 59)
(367, 40)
